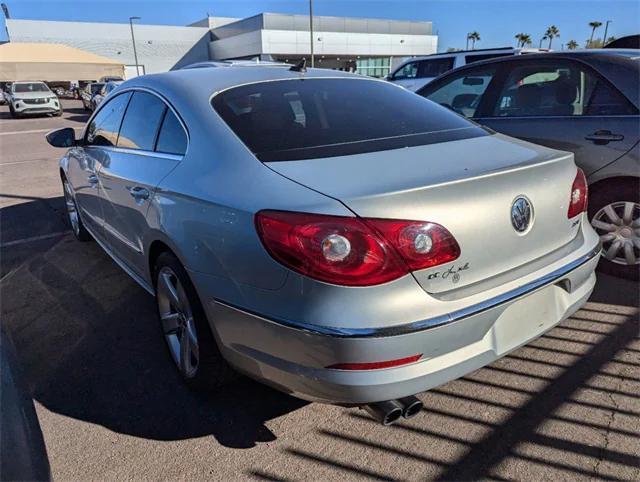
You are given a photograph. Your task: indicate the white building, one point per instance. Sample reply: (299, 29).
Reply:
(368, 45)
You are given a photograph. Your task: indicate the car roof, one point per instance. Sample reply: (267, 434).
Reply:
(203, 82)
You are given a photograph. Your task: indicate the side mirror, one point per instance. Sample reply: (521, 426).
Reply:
(65, 137)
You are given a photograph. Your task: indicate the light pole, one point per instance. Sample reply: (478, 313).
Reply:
(133, 41)
(606, 29)
(311, 28)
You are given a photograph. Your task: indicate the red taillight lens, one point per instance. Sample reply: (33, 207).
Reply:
(420, 244)
(352, 251)
(578, 197)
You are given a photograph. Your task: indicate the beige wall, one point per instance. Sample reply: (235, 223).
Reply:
(12, 71)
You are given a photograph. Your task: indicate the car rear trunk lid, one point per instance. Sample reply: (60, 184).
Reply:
(468, 186)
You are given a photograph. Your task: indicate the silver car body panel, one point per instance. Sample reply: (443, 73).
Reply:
(202, 207)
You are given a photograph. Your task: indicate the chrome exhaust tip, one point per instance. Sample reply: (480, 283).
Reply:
(385, 412)
(411, 406)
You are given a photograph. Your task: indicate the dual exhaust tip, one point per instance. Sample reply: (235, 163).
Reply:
(391, 411)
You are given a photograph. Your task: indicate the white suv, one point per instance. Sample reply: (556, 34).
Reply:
(419, 71)
(33, 98)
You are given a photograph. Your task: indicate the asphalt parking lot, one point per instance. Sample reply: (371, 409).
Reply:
(112, 407)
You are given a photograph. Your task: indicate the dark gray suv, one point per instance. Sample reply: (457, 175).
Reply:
(585, 102)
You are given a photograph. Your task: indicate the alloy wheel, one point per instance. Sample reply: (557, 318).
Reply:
(72, 209)
(178, 324)
(618, 225)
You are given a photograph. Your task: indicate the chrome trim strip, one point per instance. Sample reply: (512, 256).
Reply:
(441, 320)
(140, 152)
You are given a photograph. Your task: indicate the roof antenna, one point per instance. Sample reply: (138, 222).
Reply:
(300, 67)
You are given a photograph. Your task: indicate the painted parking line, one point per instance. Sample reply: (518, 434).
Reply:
(33, 238)
(34, 131)
(28, 160)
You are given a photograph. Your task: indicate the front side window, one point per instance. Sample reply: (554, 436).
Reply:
(463, 92)
(557, 89)
(312, 118)
(434, 67)
(408, 71)
(103, 128)
(141, 122)
(30, 87)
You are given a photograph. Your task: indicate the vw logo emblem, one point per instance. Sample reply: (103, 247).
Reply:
(521, 214)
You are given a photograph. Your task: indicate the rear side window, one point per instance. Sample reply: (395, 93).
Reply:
(434, 67)
(478, 57)
(312, 118)
(103, 128)
(172, 138)
(141, 122)
(558, 88)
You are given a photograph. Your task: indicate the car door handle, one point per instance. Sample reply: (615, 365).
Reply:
(93, 180)
(604, 137)
(139, 193)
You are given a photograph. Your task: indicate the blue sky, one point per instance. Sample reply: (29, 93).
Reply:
(497, 21)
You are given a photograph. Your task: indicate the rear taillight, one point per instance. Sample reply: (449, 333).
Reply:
(578, 197)
(353, 251)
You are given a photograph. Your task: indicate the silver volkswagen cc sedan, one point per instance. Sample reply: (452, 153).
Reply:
(334, 236)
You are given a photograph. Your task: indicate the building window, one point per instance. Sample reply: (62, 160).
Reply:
(373, 67)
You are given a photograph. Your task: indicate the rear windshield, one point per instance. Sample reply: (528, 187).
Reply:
(299, 119)
(30, 87)
(95, 88)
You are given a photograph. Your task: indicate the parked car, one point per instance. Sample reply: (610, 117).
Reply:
(585, 102)
(87, 94)
(33, 98)
(417, 72)
(103, 92)
(331, 235)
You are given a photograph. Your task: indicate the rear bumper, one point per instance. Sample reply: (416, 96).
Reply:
(293, 357)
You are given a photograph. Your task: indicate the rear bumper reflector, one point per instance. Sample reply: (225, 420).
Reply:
(376, 365)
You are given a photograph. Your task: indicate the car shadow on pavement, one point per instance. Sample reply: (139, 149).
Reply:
(91, 346)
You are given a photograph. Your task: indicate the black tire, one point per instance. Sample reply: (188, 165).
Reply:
(77, 227)
(608, 193)
(59, 113)
(212, 370)
(14, 114)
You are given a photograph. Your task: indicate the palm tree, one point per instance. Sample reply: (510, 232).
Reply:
(594, 25)
(551, 33)
(542, 40)
(572, 45)
(474, 37)
(523, 39)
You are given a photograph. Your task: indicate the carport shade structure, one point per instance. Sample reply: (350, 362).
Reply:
(53, 62)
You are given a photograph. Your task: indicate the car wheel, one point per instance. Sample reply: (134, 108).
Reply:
(79, 231)
(14, 114)
(59, 113)
(185, 328)
(614, 210)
